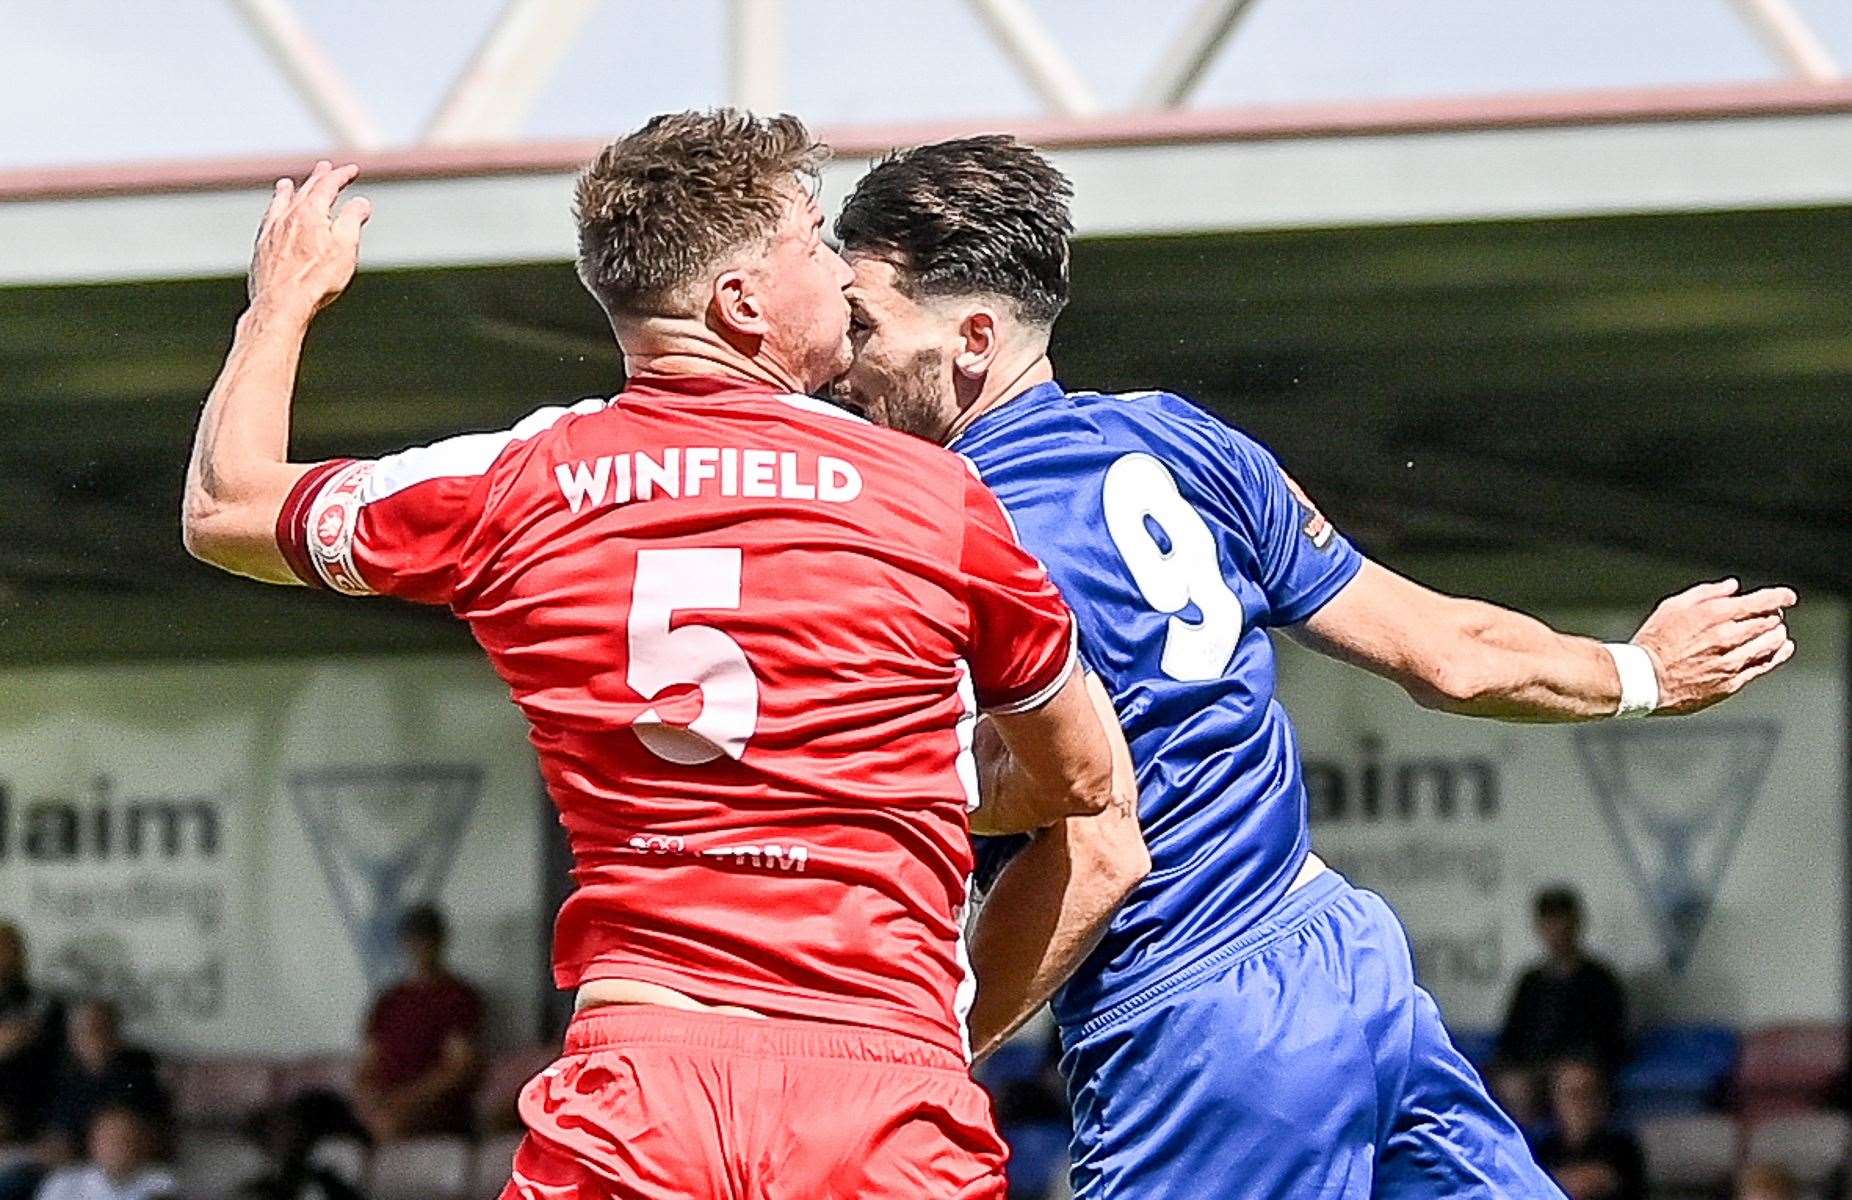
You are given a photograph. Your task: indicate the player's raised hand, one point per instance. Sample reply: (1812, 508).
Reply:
(1707, 642)
(307, 247)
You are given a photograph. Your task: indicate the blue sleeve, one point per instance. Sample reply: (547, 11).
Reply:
(1304, 560)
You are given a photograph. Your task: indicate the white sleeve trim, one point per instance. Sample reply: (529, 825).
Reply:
(334, 514)
(821, 407)
(466, 455)
(1031, 703)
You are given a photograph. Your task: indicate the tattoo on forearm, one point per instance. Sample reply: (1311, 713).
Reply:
(205, 448)
(233, 429)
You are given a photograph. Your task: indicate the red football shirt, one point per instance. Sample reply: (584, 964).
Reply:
(751, 634)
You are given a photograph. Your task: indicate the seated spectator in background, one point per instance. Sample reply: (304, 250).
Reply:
(100, 1070)
(1518, 1093)
(422, 1054)
(31, 1030)
(1569, 1005)
(1589, 1156)
(1766, 1181)
(123, 1161)
(289, 1135)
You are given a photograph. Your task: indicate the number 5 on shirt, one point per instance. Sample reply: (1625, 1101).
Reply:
(701, 655)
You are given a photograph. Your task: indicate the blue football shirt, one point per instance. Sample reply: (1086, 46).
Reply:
(1178, 542)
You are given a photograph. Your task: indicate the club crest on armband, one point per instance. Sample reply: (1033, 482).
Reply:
(331, 526)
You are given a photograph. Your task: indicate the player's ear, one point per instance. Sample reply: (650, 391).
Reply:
(736, 305)
(981, 342)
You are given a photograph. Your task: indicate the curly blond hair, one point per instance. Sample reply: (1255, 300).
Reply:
(660, 209)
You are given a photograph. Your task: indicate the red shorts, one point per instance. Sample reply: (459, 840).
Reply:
(655, 1104)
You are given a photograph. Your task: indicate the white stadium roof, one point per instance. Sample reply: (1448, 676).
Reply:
(1662, 150)
(89, 81)
(165, 122)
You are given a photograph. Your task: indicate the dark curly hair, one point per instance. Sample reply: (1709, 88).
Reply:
(977, 215)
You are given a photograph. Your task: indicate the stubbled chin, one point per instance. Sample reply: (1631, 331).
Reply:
(868, 407)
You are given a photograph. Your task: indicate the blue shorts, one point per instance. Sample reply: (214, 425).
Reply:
(1300, 1061)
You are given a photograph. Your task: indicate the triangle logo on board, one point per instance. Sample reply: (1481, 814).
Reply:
(385, 838)
(1676, 798)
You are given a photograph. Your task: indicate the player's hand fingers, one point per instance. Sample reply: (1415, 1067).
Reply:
(328, 184)
(280, 196)
(305, 191)
(1763, 600)
(312, 178)
(1743, 628)
(1756, 670)
(1729, 634)
(1757, 648)
(350, 218)
(1708, 591)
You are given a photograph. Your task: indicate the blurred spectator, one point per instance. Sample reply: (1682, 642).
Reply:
(1589, 1156)
(289, 1135)
(1032, 1114)
(21, 1173)
(1039, 1097)
(100, 1070)
(1766, 1181)
(422, 1055)
(1517, 1092)
(31, 1028)
(123, 1161)
(1568, 1005)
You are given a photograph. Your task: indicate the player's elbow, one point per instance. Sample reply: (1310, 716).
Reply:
(205, 530)
(217, 537)
(232, 539)
(1091, 789)
(1083, 785)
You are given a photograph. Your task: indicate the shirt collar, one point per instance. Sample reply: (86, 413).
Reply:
(655, 386)
(1011, 410)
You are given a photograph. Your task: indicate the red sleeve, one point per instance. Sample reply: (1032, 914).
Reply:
(1022, 635)
(294, 532)
(356, 528)
(398, 525)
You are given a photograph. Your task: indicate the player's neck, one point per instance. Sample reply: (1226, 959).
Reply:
(741, 368)
(660, 347)
(999, 388)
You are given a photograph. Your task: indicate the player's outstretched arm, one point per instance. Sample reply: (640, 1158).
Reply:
(240, 473)
(1053, 901)
(1047, 764)
(1470, 657)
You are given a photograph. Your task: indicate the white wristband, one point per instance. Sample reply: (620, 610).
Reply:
(1639, 682)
